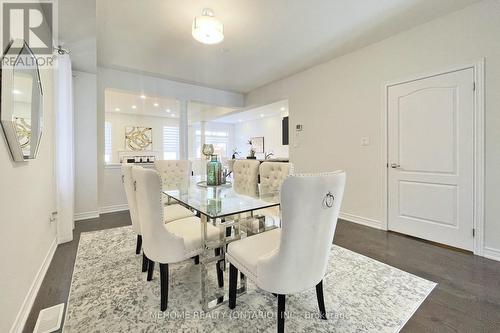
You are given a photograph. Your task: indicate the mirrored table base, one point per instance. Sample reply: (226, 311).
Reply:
(232, 230)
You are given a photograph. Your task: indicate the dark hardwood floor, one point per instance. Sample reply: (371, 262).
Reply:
(55, 285)
(467, 298)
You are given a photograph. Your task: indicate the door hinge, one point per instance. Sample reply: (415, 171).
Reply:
(473, 86)
(473, 232)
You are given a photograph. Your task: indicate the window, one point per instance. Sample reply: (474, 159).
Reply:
(108, 146)
(170, 143)
(220, 140)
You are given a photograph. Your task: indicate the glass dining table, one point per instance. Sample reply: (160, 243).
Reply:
(233, 210)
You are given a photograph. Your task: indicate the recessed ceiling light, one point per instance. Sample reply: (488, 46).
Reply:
(156, 104)
(117, 109)
(207, 29)
(134, 107)
(16, 92)
(282, 108)
(173, 114)
(262, 116)
(239, 120)
(143, 96)
(168, 110)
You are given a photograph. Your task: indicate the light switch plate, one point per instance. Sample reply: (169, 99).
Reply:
(365, 141)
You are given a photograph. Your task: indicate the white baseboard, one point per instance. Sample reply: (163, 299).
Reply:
(25, 309)
(361, 220)
(86, 215)
(113, 208)
(491, 253)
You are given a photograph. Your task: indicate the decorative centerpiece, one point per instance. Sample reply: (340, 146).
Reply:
(207, 150)
(214, 172)
(235, 153)
(251, 153)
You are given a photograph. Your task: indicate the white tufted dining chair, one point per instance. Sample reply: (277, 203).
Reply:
(164, 243)
(292, 258)
(272, 175)
(173, 174)
(170, 212)
(245, 176)
(128, 183)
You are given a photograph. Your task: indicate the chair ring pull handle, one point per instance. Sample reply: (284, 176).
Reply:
(329, 200)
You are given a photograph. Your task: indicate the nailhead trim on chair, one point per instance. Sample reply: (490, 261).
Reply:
(248, 271)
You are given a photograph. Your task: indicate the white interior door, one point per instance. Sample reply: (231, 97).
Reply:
(431, 158)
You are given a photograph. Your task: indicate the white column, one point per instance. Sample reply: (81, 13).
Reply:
(202, 142)
(202, 131)
(183, 130)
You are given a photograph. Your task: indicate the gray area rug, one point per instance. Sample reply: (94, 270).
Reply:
(109, 293)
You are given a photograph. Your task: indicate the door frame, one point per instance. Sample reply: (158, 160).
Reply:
(479, 132)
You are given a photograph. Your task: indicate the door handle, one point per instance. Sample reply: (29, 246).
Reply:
(395, 165)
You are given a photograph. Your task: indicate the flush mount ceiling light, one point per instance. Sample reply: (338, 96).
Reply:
(207, 29)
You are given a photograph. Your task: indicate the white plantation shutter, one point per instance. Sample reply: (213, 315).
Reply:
(108, 146)
(220, 140)
(170, 143)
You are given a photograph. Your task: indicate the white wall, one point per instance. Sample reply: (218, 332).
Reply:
(340, 101)
(27, 198)
(85, 119)
(195, 150)
(269, 128)
(119, 121)
(111, 193)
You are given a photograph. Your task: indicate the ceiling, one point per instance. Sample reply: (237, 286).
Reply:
(205, 112)
(270, 110)
(265, 40)
(117, 101)
(136, 103)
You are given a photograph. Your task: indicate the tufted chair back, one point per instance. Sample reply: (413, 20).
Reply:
(173, 172)
(159, 244)
(310, 207)
(272, 175)
(128, 183)
(245, 175)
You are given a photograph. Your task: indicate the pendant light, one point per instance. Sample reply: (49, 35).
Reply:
(207, 29)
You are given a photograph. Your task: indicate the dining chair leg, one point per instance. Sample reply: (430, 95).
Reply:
(220, 273)
(164, 286)
(138, 246)
(233, 280)
(196, 260)
(151, 268)
(281, 313)
(321, 300)
(144, 262)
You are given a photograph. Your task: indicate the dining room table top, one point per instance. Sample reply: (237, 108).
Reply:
(221, 201)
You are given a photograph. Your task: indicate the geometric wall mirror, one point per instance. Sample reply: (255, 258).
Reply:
(21, 110)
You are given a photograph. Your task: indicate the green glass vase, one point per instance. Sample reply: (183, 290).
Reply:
(214, 171)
